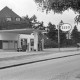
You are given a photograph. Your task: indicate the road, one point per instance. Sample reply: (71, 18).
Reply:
(67, 68)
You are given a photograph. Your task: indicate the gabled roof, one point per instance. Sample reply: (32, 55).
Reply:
(7, 12)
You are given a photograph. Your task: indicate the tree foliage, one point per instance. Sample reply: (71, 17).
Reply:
(52, 32)
(33, 22)
(33, 18)
(75, 35)
(28, 20)
(62, 38)
(59, 6)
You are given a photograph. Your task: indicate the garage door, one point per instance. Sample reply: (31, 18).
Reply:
(5, 44)
(11, 45)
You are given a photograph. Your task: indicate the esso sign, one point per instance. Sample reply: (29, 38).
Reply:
(65, 27)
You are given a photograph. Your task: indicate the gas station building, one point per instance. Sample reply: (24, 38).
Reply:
(15, 38)
(17, 33)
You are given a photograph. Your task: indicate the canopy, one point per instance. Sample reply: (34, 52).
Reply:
(21, 31)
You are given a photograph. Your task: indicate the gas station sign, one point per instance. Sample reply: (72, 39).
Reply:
(65, 27)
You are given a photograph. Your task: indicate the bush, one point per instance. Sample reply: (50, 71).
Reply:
(48, 43)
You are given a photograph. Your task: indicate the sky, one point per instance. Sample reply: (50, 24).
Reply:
(28, 7)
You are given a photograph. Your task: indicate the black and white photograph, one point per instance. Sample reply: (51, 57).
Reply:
(39, 39)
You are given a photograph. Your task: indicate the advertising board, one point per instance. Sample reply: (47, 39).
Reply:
(65, 27)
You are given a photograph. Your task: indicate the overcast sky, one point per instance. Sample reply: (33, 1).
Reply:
(28, 7)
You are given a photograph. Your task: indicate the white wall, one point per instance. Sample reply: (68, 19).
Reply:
(26, 36)
(8, 36)
(36, 41)
(13, 37)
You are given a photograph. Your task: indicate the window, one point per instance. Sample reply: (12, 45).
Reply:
(10, 41)
(8, 19)
(32, 42)
(17, 19)
(23, 42)
(5, 41)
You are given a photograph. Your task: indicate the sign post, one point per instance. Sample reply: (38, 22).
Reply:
(59, 34)
(59, 37)
(64, 27)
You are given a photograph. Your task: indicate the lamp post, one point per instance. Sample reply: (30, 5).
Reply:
(61, 22)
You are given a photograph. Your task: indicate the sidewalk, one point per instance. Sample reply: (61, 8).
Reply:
(8, 59)
(8, 53)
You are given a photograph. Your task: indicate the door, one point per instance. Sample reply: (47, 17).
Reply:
(0, 44)
(5, 45)
(11, 44)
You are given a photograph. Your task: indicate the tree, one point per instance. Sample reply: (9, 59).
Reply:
(33, 23)
(28, 21)
(58, 6)
(75, 35)
(62, 38)
(52, 32)
(41, 26)
(33, 18)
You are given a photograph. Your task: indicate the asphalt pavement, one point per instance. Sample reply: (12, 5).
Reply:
(63, 65)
